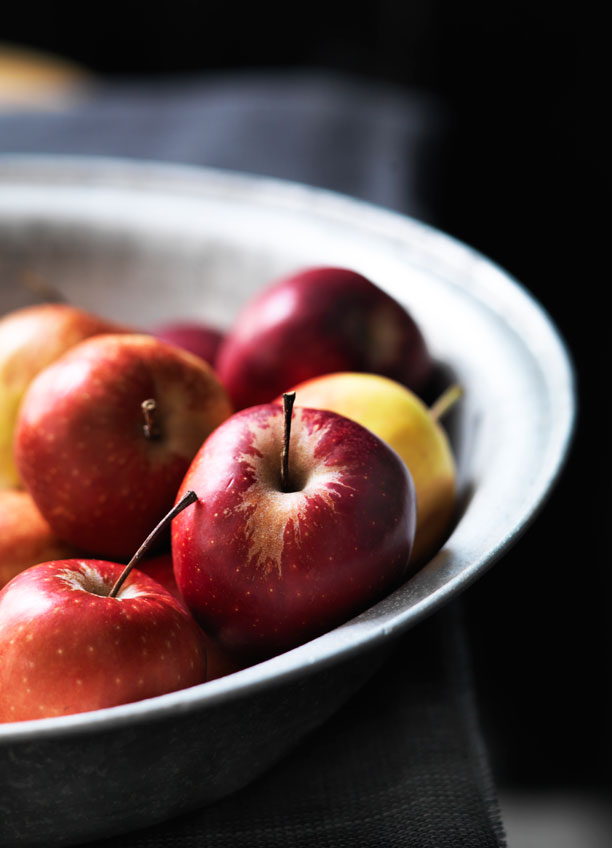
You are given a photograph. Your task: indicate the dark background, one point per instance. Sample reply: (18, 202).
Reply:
(512, 176)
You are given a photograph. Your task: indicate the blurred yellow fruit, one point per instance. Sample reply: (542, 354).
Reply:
(400, 418)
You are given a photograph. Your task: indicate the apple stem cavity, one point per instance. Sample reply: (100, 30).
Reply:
(151, 427)
(446, 400)
(288, 401)
(187, 499)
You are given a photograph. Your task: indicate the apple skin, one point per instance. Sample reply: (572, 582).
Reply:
(25, 537)
(66, 647)
(315, 322)
(30, 339)
(219, 663)
(199, 339)
(80, 446)
(264, 570)
(405, 423)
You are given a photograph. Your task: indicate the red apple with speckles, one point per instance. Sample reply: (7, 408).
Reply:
(265, 562)
(30, 339)
(84, 634)
(199, 339)
(219, 662)
(66, 647)
(317, 322)
(101, 467)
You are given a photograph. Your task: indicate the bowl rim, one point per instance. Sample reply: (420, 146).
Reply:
(161, 178)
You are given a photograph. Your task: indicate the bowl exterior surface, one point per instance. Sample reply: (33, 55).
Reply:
(147, 243)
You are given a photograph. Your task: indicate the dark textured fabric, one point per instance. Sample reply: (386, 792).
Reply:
(402, 764)
(375, 143)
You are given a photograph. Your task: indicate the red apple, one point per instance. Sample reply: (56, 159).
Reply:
(31, 339)
(199, 339)
(101, 467)
(25, 537)
(79, 635)
(66, 647)
(219, 662)
(316, 322)
(266, 565)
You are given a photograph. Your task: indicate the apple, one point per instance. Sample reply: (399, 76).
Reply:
(405, 423)
(106, 433)
(316, 322)
(219, 662)
(31, 339)
(25, 537)
(74, 638)
(288, 541)
(197, 338)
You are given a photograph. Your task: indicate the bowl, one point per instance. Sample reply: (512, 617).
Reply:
(146, 242)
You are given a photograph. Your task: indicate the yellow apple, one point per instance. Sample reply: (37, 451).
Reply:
(400, 418)
(30, 339)
(25, 537)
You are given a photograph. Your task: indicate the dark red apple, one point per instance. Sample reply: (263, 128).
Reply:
(317, 322)
(199, 339)
(265, 565)
(106, 434)
(219, 662)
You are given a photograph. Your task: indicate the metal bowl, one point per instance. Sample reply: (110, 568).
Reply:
(144, 242)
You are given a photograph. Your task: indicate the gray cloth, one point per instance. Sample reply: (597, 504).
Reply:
(401, 766)
(379, 144)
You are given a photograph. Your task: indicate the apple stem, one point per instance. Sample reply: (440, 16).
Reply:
(151, 425)
(446, 400)
(187, 499)
(288, 401)
(38, 286)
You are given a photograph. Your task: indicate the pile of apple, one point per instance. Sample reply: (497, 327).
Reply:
(285, 522)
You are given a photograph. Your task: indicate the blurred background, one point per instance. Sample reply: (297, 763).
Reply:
(501, 147)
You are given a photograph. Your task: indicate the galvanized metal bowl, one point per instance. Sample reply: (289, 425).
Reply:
(145, 242)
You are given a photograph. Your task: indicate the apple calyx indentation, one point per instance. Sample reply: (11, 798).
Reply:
(187, 499)
(151, 427)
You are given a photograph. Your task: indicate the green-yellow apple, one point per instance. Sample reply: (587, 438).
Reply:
(106, 434)
(405, 423)
(31, 339)
(274, 554)
(25, 537)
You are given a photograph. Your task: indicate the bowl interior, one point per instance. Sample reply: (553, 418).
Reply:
(146, 243)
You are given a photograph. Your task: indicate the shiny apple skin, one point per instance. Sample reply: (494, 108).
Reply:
(30, 339)
(404, 422)
(65, 648)
(80, 445)
(199, 339)
(25, 537)
(316, 322)
(219, 662)
(264, 570)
